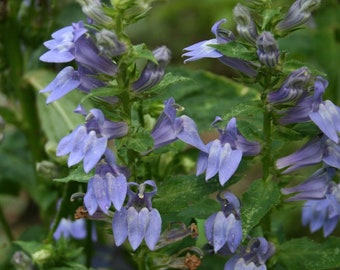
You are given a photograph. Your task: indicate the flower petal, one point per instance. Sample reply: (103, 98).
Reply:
(135, 230)
(77, 153)
(229, 161)
(117, 187)
(94, 150)
(90, 199)
(101, 192)
(120, 226)
(153, 230)
(213, 159)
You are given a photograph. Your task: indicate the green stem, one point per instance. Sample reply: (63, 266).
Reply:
(5, 225)
(266, 159)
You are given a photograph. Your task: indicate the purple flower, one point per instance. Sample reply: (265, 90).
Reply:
(153, 73)
(267, 49)
(204, 50)
(254, 256)
(297, 14)
(107, 186)
(324, 114)
(245, 25)
(313, 152)
(323, 213)
(315, 187)
(138, 220)
(224, 228)
(88, 142)
(295, 86)
(224, 155)
(75, 229)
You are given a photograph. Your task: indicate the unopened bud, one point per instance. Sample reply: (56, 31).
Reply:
(245, 24)
(109, 44)
(94, 10)
(21, 261)
(267, 49)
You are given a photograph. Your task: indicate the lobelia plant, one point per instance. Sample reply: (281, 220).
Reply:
(134, 130)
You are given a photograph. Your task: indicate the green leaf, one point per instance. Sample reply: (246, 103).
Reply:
(234, 49)
(306, 254)
(169, 79)
(108, 91)
(256, 203)
(140, 141)
(141, 51)
(77, 175)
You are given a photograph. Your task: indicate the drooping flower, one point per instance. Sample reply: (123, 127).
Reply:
(224, 155)
(223, 229)
(295, 86)
(267, 49)
(153, 73)
(297, 14)
(325, 114)
(76, 229)
(245, 25)
(323, 213)
(88, 142)
(204, 50)
(315, 187)
(138, 220)
(253, 256)
(107, 186)
(319, 149)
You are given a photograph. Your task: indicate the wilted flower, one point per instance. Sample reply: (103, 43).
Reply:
(323, 213)
(224, 228)
(315, 187)
(325, 114)
(297, 14)
(267, 49)
(107, 186)
(76, 229)
(295, 86)
(245, 25)
(224, 155)
(88, 142)
(254, 256)
(153, 73)
(321, 148)
(204, 50)
(138, 220)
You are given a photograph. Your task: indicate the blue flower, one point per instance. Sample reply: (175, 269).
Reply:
(323, 213)
(315, 187)
(254, 256)
(319, 149)
(295, 86)
(223, 229)
(245, 25)
(88, 142)
(324, 114)
(75, 229)
(138, 220)
(204, 50)
(153, 73)
(224, 155)
(107, 186)
(267, 49)
(297, 14)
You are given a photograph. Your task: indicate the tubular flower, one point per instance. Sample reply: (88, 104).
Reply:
(295, 86)
(107, 186)
(153, 73)
(323, 213)
(254, 256)
(204, 50)
(223, 229)
(313, 152)
(297, 14)
(245, 24)
(315, 187)
(224, 155)
(267, 49)
(325, 114)
(138, 220)
(88, 142)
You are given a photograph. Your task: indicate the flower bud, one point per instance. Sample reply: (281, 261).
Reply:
(21, 261)
(109, 44)
(267, 49)
(42, 255)
(94, 10)
(245, 24)
(297, 14)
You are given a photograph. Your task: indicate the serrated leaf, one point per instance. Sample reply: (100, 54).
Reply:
(234, 49)
(77, 175)
(103, 92)
(256, 202)
(306, 254)
(140, 142)
(291, 65)
(141, 51)
(168, 80)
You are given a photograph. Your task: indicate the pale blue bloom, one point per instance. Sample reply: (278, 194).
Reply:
(73, 229)
(223, 229)
(138, 220)
(88, 142)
